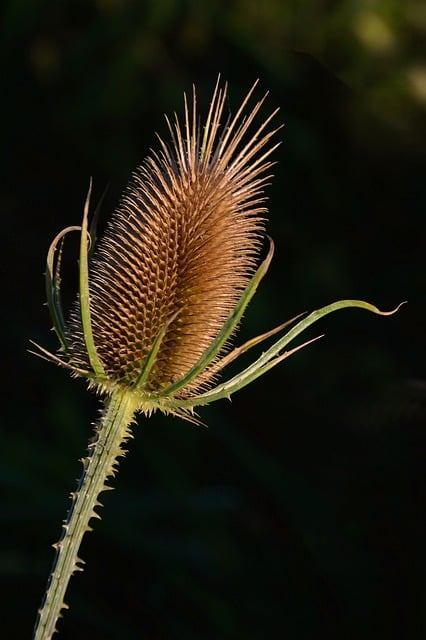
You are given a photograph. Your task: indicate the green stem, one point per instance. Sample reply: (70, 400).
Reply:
(112, 432)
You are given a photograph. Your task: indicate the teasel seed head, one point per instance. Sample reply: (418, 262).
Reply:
(175, 260)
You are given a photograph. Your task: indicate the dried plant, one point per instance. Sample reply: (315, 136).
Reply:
(161, 295)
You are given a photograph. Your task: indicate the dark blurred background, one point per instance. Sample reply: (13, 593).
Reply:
(300, 511)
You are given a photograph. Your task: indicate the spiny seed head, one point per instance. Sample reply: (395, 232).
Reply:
(178, 252)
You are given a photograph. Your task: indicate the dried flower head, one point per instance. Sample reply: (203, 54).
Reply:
(179, 251)
(167, 284)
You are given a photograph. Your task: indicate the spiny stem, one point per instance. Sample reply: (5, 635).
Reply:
(112, 432)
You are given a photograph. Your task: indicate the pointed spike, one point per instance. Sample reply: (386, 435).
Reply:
(94, 222)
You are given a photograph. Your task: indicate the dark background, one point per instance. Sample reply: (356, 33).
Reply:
(299, 512)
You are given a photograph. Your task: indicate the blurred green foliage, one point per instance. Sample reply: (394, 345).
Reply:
(300, 511)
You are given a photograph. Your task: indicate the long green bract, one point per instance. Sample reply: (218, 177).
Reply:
(152, 355)
(86, 321)
(272, 356)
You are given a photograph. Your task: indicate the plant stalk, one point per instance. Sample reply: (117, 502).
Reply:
(112, 431)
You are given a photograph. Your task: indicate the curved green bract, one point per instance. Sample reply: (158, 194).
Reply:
(272, 356)
(53, 285)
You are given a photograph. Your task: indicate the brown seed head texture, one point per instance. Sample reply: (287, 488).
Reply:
(183, 244)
